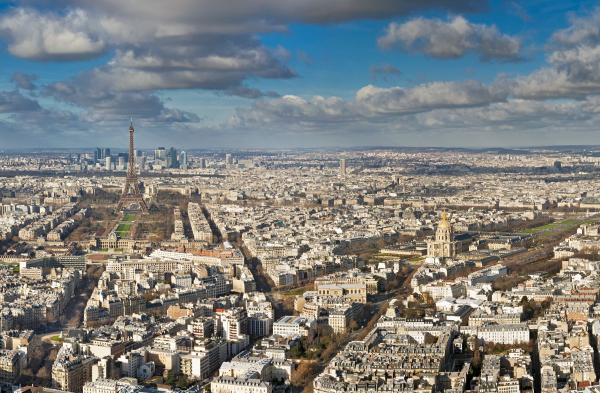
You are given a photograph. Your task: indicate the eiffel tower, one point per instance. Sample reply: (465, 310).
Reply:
(131, 192)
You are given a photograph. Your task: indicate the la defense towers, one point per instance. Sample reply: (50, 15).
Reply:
(131, 195)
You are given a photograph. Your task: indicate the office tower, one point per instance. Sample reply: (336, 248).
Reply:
(78, 155)
(160, 154)
(228, 159)
(131, 192)
(108, 168)
(173, 162)
(183, 159)
(137, 153)
(69, 159)
(121, 161)
(203, 163)
(105, 153)
(343, 167)
(98, 154)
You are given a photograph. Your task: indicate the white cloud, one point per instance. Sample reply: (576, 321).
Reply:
(451, 40)
(32, 35)
(584, 30)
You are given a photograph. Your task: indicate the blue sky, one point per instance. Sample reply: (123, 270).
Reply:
(299, 73)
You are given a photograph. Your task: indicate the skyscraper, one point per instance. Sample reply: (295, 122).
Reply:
(108, 163)
(183, 159)
(173, 155)
(160, 154)
(203, 163)
(98, 154)
(343, 167)
(105, 153)
(228, 159)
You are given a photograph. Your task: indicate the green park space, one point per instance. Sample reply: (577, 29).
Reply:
(123, 228)
(549, 226)
(57, 338)
(129, 217)
(122, 234)
(569, 221)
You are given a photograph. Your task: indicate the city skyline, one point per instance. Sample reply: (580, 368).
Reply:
(300, 74)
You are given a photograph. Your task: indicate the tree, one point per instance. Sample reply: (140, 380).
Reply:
(304, 373)
(353, 325)
(43, 373)
(170, 380)
(182, 383)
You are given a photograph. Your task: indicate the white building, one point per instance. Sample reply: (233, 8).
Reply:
(289, 326)
(504, 334)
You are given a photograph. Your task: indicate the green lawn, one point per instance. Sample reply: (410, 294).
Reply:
(577, 226)
(549, 226)
(57, 338)
(569, 221)
(128, 217)
(118, 250)
(103, 249)
(530, 231)
(123, 228)
(122, 234)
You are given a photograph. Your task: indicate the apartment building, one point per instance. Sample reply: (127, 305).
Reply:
(101, 385)
(289, 326)
(244, 384)
(10, 365)
(504, 334)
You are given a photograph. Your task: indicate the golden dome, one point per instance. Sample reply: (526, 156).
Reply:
(444, 224)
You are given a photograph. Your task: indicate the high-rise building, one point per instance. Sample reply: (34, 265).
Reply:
(160, 154)
(108, 163)
(98, 154)
(121, 162)
(137, 153)
(203, 163)
(172, 163)
(228, 159)
(105, 153)
(183, 159)
(343, 167)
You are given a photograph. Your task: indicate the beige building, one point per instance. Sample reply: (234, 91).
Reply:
(10, 365)
(72, 373)
(445, 245)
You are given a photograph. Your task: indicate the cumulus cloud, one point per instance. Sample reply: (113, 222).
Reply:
(14, 101)
(84, 91)
(370, 104)
(451, 39)
(282, 54)
(24, 81)
(383, 71)
(32, 35)
(585, 30)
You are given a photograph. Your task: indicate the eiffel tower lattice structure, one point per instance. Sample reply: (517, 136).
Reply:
(131, 192)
